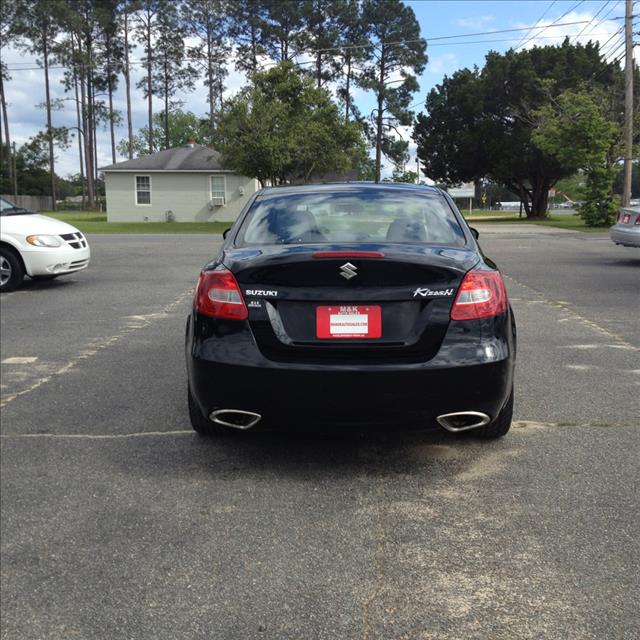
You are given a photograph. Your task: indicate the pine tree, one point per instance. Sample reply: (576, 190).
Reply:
(398, 53)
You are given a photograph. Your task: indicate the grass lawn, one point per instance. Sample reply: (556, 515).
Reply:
(96, 222)
(562, 221)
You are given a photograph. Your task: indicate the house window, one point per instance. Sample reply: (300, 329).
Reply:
(218, 187)
(143, 189)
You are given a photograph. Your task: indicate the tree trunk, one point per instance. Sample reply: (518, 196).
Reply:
(86, 128)
(6, 143)
(111, 127)
(127, 81)
(52, 169)
(254, 49)
(210, 81)
(149, 94)
(379, 115)
(166, 103)
(80, 133)
(540, 198)
(347, 97)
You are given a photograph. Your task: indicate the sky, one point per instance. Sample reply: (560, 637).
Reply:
(439, 20)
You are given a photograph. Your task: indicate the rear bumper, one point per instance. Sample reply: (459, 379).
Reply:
(343, 396)
(627, 236)
(229, 372)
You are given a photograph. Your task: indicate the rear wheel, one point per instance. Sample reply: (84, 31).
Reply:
(500, 425)
(200, 424)
(11, 270)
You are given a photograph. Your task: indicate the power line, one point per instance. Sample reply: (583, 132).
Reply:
(602, 8)
(555, 23)
(526, 35)
(364, 46)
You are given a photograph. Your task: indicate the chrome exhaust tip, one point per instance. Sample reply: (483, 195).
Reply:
(235, 418)
(462, 420)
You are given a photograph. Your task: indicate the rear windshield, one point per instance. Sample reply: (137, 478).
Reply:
(365, 216)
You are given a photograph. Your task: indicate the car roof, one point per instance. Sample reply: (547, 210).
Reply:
(346, 187)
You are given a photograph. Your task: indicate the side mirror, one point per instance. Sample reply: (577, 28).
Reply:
(475, 232)
(225, 233)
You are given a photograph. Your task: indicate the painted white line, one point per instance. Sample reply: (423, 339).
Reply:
(20, 360)
(573, 315)
(88, 436)
(584, 347)
(129, 327)
(517, 424)
(579, 367)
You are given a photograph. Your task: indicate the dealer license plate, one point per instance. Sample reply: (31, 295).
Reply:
(349, 321)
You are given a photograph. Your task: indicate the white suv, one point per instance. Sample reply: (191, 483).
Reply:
(38, 246)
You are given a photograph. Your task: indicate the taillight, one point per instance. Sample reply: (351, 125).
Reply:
(218, 296)
(637, 220)
(482, 294)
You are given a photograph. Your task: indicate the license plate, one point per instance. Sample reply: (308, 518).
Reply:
(349, 321)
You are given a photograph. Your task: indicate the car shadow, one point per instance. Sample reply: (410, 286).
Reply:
(319, 453)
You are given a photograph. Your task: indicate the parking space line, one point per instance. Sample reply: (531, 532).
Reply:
(129, 327)
(574, 315)
(517, 424)
(89, 436)
(20, 360)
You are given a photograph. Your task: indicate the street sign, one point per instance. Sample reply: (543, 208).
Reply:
(465, 190)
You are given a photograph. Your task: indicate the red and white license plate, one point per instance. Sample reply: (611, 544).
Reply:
(349, 321)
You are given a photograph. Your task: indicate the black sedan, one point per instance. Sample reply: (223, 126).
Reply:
(351, 303)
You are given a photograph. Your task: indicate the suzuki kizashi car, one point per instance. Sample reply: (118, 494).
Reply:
(351, 303)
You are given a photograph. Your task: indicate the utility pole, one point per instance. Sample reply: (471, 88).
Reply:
(628, 103)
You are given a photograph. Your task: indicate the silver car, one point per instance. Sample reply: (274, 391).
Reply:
(627, 230)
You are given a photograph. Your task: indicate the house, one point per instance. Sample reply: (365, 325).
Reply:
(185, 184)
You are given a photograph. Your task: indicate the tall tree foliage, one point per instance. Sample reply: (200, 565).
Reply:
(283, 128)
(7, 37)
(353, 50)
(398, 54)
(111, 53)
(319, 37)
(247, 30)
(207, 21)
(37, 24)
(145, 32)
(283, 29)
(172, 71)
(183, 126)
(479, 123)
(575, 131)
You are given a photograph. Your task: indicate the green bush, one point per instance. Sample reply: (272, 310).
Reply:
(600, 206)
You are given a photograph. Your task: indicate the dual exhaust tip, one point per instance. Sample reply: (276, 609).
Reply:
(235, 418)
(454, 422)
(462, 420)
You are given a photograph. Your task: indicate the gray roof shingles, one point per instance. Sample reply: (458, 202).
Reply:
(187, 158)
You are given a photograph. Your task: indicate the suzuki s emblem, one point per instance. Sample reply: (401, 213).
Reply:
(348, 271)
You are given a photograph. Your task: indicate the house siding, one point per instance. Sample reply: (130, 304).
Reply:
(185, 194)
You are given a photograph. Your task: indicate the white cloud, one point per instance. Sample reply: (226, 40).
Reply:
(475, 22)
(445, 63)
(589, 28)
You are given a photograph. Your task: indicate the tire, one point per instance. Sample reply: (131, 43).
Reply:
(11, 270)
(500, 425)
(200, 424)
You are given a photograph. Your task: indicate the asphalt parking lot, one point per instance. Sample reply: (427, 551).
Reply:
(119, 522)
